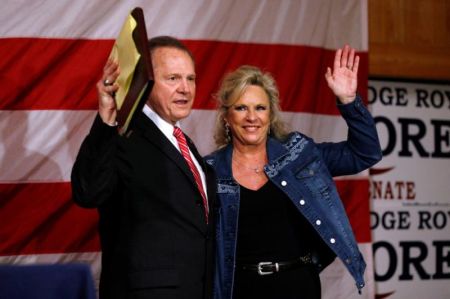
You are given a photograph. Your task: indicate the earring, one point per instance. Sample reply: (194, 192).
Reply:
(227, 133)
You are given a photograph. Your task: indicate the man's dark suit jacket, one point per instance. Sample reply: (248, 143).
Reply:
(154, 237)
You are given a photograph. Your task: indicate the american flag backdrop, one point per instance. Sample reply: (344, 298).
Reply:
(52, 54)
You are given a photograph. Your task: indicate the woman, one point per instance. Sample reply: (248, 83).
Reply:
(280, 218)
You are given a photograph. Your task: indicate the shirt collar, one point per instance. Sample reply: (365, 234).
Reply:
(165, 127)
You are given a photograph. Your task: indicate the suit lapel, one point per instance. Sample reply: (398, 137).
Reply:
(156, 137)
(151, 132)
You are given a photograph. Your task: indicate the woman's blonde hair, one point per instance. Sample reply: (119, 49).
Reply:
(233, 86)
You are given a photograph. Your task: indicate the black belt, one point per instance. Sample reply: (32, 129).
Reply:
(266, 268)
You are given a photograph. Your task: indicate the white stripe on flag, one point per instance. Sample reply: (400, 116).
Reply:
(317, 23)
(42, 145)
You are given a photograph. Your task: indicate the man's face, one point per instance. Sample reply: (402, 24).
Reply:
(173, 93)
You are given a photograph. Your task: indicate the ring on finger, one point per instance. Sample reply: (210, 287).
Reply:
(106, 82)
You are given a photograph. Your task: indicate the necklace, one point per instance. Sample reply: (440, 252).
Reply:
(257, 169)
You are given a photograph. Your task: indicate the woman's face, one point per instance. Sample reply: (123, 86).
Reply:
(249, 117)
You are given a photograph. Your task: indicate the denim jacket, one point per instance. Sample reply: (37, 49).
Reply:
(303, 170)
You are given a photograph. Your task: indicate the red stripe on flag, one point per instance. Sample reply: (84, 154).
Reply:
(41, 218)
(355, 196)
(62, 73)
(41, 74)
(298, 70)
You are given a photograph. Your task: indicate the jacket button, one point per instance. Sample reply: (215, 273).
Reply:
(302, 202)
(318, 222)
(348, 260)
(283, 183)
(311, 172)
(332, 241)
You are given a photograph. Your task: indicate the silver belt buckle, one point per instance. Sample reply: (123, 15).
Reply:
(260, 270)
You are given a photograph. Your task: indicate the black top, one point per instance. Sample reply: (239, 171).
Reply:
(270, 227)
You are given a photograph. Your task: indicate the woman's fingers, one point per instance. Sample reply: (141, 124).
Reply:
(344, 58)
(351, 58)
(356, 65)
(337, 59)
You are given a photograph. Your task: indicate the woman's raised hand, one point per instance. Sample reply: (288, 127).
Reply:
(343, 79)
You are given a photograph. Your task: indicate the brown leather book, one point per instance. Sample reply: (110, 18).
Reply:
(135, 81)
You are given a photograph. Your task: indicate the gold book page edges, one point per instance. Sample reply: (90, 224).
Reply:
(125, 53)
(130, 115)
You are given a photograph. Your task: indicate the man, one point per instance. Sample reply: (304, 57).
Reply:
(155, 217)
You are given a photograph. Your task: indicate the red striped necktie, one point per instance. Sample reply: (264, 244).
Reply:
(187, 156)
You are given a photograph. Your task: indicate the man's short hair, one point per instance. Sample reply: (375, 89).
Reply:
(169, 42)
